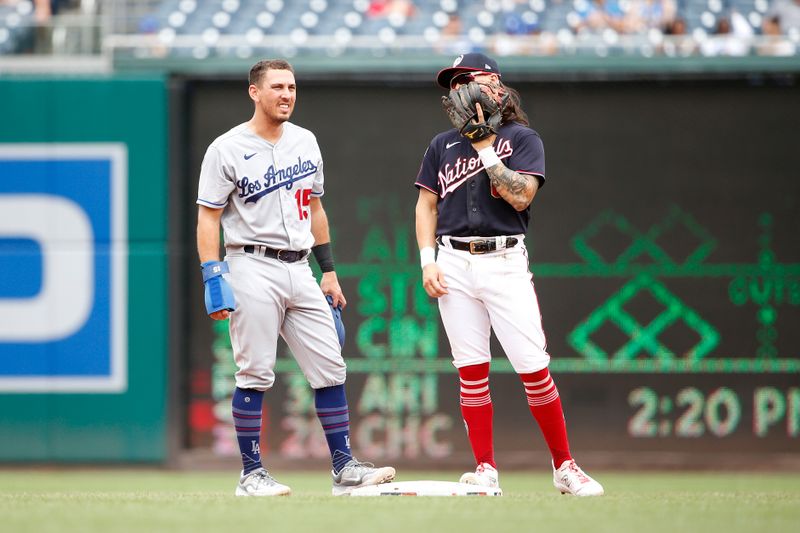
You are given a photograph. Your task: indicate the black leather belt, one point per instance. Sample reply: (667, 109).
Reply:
(478, 246)
(287, 256)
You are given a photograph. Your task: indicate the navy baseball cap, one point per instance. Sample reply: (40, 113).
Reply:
(473, 62)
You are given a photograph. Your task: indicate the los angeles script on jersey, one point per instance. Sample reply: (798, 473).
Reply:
(273, 179)
(452, 176)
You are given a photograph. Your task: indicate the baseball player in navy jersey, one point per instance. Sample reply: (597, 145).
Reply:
(263, 182)
(474, 202)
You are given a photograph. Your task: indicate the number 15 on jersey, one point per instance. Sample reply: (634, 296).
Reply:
(303, 197)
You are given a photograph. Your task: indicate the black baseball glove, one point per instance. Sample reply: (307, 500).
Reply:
(460, 108)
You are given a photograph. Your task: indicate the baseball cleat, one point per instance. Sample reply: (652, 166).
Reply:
(485, 475)
(356, 474)
(260, 483)
(570, 479)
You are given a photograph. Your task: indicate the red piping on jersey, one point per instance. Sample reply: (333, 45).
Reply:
(530, 173)
(418, 184)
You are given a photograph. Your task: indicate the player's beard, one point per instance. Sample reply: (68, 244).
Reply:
(283, 116)
(277, 115)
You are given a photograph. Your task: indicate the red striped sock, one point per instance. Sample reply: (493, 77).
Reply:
(545, 405)
(476, 408)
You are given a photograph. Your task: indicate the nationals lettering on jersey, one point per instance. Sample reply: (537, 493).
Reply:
(451, 177)
(452, 169)
(264, 189)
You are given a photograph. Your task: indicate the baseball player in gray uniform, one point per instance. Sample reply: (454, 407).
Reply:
(263, 182)
(475, 191)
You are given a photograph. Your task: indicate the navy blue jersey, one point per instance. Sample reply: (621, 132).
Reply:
(467, 205)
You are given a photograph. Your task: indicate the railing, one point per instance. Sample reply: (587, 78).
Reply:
(66, 43)
(561, 44)
(82, 42)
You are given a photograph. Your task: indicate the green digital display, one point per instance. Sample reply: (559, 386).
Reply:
(672, 322)
(398, 346)
(398, 326)
(717, 413)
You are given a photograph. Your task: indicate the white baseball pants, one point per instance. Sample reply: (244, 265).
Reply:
(492, 291)
(275, 298)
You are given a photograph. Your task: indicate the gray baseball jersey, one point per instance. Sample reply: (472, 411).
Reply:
(264, 188)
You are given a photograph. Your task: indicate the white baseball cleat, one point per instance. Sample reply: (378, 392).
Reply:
(485, 475)
(570, 479)
(260, 483)
(356, 474)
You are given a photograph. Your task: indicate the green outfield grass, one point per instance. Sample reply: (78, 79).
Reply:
(124, 500)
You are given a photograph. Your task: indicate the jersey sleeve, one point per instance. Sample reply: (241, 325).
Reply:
(216, 182)
(528, 155)
(318, 187)
(428, 176)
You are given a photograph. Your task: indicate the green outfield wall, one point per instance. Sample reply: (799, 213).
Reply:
(83, 349)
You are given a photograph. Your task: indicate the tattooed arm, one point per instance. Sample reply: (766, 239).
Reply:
(515, 188)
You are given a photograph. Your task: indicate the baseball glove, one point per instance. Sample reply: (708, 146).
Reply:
(460, 108)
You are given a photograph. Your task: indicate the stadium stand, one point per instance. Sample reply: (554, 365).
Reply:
(199, 28)
(15, 26)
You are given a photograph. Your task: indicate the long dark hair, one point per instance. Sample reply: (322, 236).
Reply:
(513, 111)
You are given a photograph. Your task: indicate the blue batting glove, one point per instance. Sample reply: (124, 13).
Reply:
(218, 294)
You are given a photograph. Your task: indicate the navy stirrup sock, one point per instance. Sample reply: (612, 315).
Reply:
(247, 421)
(334, 416)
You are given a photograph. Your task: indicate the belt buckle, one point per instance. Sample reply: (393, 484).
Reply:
(478, 247)
(279, 258)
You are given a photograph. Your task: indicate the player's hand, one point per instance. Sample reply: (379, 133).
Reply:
(220, 315)
(486, 141)
(433, 281)
(330, 286)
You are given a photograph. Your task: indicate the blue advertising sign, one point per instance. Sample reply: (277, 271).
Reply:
(63, 267)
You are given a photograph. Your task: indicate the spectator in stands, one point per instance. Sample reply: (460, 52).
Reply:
(598, 15)
(783, 15)
(676, 26)
(731, 37)
(775, 43)
(771, 25)
(678, 42)
(386, 8)
(43, 10)
(644, 15)
(523, 36)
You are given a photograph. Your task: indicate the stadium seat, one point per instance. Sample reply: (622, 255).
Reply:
(345, 20)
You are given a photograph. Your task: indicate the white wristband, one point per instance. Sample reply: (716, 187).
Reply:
(488, 157)
(427, 256)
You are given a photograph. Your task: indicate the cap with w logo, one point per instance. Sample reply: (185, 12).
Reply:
(473, 62)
